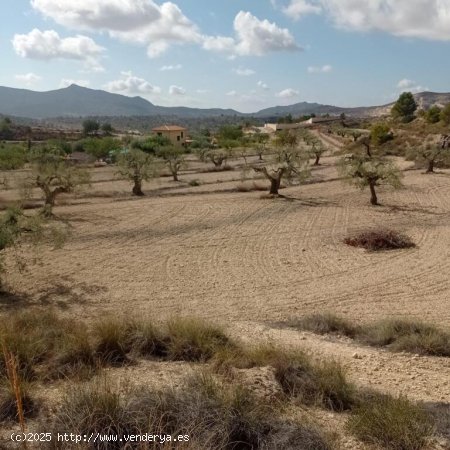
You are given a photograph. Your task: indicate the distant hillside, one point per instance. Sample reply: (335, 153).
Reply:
(76, 101)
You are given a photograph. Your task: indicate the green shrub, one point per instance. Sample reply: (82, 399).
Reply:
(12, 157)
(393, 423)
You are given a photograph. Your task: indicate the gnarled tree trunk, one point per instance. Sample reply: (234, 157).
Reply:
(137, 188)
(430, 168)
(373, 194)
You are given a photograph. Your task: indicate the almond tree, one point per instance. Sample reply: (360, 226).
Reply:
(289, 161)
(434, 150)
(366, 170)
(54, 175)
(173, 158)
(137, 166)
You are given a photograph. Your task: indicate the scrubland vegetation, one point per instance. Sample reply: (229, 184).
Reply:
(267, 368)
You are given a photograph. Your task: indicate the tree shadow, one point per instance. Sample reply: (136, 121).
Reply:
(63, 294)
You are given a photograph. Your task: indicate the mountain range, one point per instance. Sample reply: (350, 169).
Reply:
(77, 101)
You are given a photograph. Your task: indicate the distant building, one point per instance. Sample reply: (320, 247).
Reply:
(177, 135)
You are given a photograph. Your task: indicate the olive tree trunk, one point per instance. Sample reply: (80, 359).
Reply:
(373, 195)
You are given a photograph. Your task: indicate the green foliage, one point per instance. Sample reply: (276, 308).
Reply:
(392, 423)
(316, 147)
(380, 133)
(54, 175)
(101, 147)
(445, 115)
(90, 126)
(12, 157)
(173, 158)
(6, 131)
(405, 107)
(289, 161)
(433, 115)
(364, 171)
(59, 145)
(230, 133)
(434, 151)
(151, 144)
(136, 166)
(107, 128)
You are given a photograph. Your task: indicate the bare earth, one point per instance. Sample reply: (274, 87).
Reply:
(248, 262)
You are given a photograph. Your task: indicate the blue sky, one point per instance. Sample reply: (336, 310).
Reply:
(244, 54)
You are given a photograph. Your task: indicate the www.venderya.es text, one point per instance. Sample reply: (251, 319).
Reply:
(98, 437)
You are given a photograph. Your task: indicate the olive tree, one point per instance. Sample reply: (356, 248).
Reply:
(260, 142)
(54, 175)
(289, 161)
(433, 151)
(174, 159)
(136, 166)
(365, 170)
(316, 147)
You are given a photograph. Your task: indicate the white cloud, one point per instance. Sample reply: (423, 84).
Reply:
(232, 94)
(29, 79)
(288, 93)
(410, 86)
(299, 8)
(65, 82)
(321, 69)
(244, 72)
(427, 19)
(263, 85)
(131, 84)
(177, 90)
(137, 21)
(48, 45)
(253, 37)
(202, 91)
(171, 67)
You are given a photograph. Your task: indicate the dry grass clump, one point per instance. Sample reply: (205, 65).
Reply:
(9, 410)
(324, 323)
(180, 339)
(393, 423)
(194, 340)
(212, 413)
(395, 334)
(380, 239)
(309, 382)
(44, 344)
(408, 336)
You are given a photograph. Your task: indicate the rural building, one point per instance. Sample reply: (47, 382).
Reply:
(176, 134)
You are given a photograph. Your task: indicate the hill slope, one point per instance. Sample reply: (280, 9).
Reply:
(76, 101)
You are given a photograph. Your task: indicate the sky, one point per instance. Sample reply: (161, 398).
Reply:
(241, 54)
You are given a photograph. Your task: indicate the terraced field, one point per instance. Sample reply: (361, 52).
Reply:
(235, 256)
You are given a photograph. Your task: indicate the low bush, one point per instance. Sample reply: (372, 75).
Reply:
(212, 413)
(408, 336)
(194, 340)
(309, 382)
(381, 239)
(194, 183)
(324, 323)
(393, 423)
